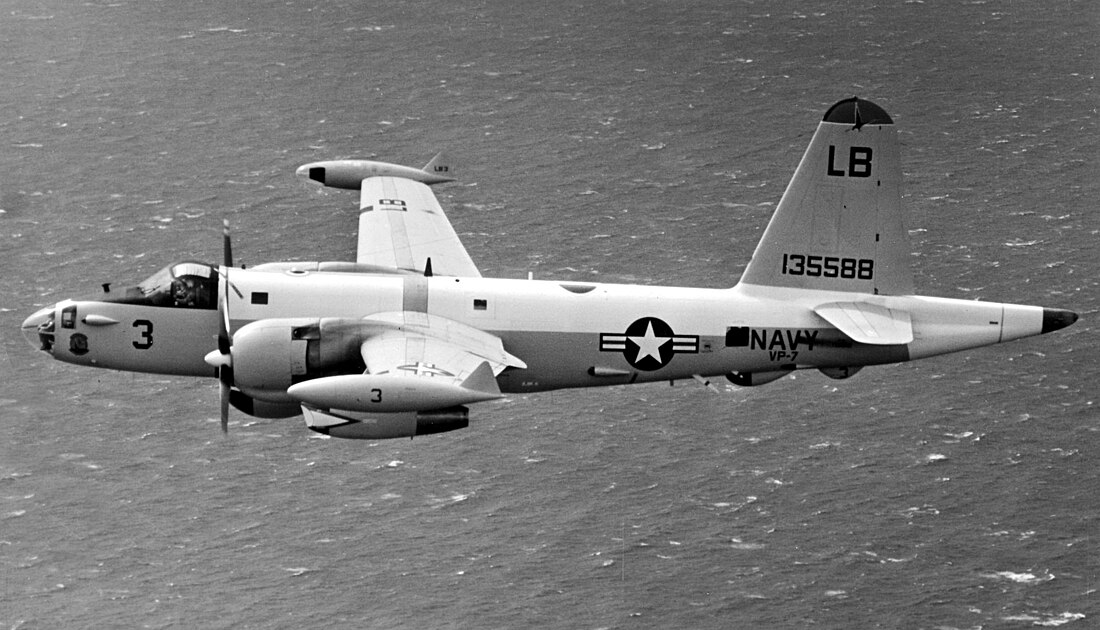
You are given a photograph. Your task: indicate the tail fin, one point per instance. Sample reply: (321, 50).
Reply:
(839, 224)
(441, 166)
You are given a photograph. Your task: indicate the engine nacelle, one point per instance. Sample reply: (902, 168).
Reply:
(388, 393)
(385, 426)
(840, 373)
(270, 355)
(752, 379)
(262, 409)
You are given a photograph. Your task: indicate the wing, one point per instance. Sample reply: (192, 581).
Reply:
(436, 348)
(402, 225)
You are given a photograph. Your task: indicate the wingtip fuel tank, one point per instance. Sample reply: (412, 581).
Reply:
(349, 174)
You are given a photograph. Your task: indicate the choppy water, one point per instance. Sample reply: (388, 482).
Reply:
(644, 141)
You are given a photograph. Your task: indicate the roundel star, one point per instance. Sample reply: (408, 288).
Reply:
(649, 344)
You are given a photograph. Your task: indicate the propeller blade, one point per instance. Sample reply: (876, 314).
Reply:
(227, 244)
(225, 401)
(225, 343)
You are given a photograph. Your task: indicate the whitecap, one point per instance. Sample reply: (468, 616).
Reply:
(1049, 621)
(1020, 578)
(1061, 619)
(296, 571)
(959, 436)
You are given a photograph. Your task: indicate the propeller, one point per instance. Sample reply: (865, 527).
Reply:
(225, 342)
(222, 358)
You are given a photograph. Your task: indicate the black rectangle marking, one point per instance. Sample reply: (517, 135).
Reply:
(737, 337)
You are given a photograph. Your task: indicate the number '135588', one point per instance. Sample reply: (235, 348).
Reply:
(828, 267)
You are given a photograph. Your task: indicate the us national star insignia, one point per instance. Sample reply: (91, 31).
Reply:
(648, 344)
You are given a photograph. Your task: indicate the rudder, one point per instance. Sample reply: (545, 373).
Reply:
(839, 224)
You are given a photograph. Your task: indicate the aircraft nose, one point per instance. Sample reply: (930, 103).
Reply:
(38, 329)
(1057, 319)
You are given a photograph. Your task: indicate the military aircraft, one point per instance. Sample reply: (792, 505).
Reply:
(399, 342)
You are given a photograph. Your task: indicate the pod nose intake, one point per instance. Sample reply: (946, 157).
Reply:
(38, 329)
(311, 172)
(1057, 319)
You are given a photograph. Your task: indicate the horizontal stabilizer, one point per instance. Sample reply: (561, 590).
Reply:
(868, 323)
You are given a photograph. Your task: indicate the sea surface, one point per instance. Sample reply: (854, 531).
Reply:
(643, 141)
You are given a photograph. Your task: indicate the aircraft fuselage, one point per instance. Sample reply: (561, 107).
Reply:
(571, 334)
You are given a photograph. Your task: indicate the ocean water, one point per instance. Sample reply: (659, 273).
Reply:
(624, 142)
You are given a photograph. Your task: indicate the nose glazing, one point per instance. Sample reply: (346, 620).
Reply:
(39, 329)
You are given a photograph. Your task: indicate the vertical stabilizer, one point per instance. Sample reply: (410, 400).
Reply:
(839, 224)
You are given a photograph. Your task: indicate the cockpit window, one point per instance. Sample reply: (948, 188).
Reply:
(182, 285)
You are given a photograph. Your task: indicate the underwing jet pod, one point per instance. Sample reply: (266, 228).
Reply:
(399, 342)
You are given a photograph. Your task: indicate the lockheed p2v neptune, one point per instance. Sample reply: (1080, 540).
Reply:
(400, 341)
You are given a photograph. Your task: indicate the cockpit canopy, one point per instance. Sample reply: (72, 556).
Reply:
(188, 284)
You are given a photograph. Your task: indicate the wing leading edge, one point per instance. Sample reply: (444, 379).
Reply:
(402, 225)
